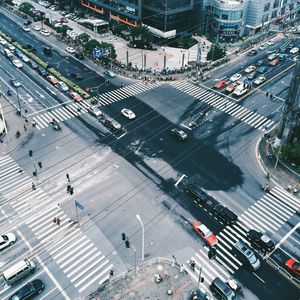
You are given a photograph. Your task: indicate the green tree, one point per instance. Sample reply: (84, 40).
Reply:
(91, 45)
(62, 30)
(216, 52)
(26, 8)
(82, 39)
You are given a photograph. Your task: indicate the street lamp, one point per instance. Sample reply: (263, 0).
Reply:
(143, 236)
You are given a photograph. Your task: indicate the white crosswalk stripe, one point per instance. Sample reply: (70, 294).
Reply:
(72, 250)
(267, 214)
(245, 115)
(72, 110)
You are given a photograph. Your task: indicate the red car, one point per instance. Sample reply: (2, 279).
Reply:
(274, 62)
(220, 84)
(64, 20)
(76, 97)
(208, 237)
(293, 266)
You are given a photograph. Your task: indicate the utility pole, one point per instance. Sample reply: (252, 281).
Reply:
(110, 58)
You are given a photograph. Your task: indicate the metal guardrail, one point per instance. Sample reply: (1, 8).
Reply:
(283, 272)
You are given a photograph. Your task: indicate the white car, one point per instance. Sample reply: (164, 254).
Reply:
(110, 74)
(129, 114)
(3, 41)
(17, 63)
(272, 56)
(240, 90)
(294, 50)
(26, 28)
(11, 47)
(62, 86)
(7, 240)
(24, 58)
(70, 50)
(250, 69)
(259, 80)
(235, 77)
(263, 46)
(95, 111)
(36, 27)
(270, 43)
(45, 32)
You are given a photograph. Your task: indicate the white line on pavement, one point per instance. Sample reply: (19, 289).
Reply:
(180, 179)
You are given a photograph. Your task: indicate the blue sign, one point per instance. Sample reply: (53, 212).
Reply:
(98, 53)
(77, 204)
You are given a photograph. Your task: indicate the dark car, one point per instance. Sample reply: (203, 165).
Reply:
(252, 75)
(260, 241)
(18, 53)
(197, 193)
(29, 290)
(179, 134)
(43, 72)
(79, 56)
(259, 63)
(32, 64)
(76, 76)
(225, 214)
(47, 51)
(252, 52)
(112, 124)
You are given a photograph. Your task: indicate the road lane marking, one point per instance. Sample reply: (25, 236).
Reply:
(180, 179)
(258, 277)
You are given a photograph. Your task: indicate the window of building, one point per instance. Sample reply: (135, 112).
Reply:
(283, 10)
(274, 14)
(265, 18)
(267, 7)
(276, 3)
(224, 17)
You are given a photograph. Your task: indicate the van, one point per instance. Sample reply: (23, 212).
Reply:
(18, 271)
(246, 255)
(221, 290)
(7, 53)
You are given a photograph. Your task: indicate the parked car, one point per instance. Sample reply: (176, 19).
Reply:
(260, 241)
(45, 32)
(197, 193)
(29, 290)
(63, 20)
(259, 63)
(240, 90)
(272, 56)
(208, 237)
(129, 114)
(26, 28)
(15, 82)
(33, 65)
(293, 266)
(112, 124)
(11, 47)
(36, 27)
(179, 134)
(52, 79)
(24, 58)
(235, 77)
(294, 50)
(252, 75)
(6, 240)
(94, 111)
(43, 72)
(220, 84)
(3, 41)
(225, 214)
(250, 69)
(221, 290)
(282, 56)
(259, 80)
(70, 50)
(62, 86)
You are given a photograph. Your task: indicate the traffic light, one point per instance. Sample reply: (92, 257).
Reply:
(40, 164)
(123, 236)
(30, 153)
(271, 96)
(127, 244)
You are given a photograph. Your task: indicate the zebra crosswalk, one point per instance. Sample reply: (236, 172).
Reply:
(74, 109)
(75, 254)
(267, 215)
(245, 115)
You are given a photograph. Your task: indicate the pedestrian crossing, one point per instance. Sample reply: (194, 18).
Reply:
(75, 109)
(76, 255)
(267, 215)
(222, 103)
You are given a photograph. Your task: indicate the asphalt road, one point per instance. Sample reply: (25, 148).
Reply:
(116, 177)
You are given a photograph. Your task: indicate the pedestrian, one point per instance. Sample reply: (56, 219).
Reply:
(20, 169)
(289, 188)
(181, 269)
(25, 128)
(33, 186)
(58, 221)
(111, 273)
(193, 264)
(54, 220)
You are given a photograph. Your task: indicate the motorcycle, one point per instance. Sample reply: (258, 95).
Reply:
(9, 92)
(18, 134)
(55, 125)
(266, 188)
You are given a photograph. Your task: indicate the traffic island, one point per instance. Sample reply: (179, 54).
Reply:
(159, 278)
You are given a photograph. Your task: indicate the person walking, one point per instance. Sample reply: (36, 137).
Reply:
(33, 186)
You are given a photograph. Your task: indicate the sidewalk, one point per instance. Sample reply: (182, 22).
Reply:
(14, 123)
(144, 286)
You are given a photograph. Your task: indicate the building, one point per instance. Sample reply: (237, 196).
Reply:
(165, 18)
(228, 20)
